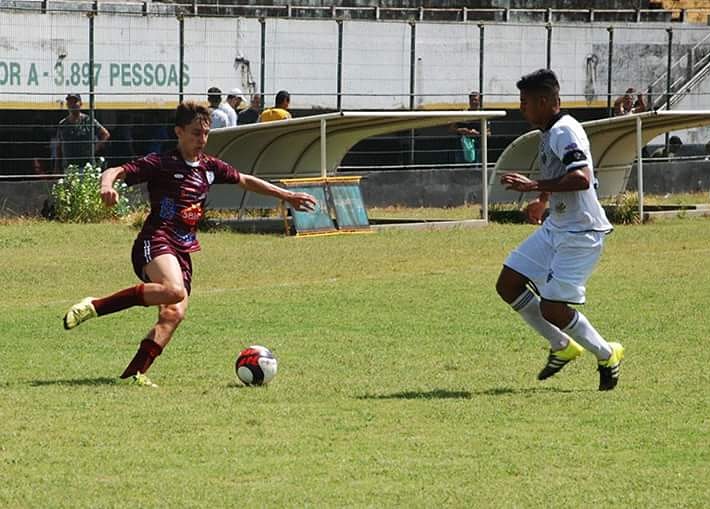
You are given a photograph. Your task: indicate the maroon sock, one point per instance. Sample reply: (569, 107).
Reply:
(119, 301)
(144, 357)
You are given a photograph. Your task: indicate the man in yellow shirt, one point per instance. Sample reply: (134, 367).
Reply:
(280, 109)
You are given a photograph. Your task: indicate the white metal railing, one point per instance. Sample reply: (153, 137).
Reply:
(694, 61)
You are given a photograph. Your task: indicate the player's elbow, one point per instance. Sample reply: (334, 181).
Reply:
(584, 183)
(578, 179)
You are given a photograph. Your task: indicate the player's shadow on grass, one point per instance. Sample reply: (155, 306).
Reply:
(445, 394)
(435, 394)
(503, 391)
(76, 381)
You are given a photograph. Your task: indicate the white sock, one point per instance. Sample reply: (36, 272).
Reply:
(586, 335)
(528, 306)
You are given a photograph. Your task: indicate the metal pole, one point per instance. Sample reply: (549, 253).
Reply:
(262, 63)
(484, 169)
(92, 102)
(412, 82)
(340, 65)
(669, 64)
(481, 54)
(669, 80)
(610, 66)
(412, 62)
(548, 27)
(323, 155)
(639, 163)
(181, 41)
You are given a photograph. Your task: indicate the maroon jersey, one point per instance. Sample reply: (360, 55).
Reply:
(177, 194)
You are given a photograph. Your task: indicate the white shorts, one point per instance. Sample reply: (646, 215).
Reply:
(558, 263)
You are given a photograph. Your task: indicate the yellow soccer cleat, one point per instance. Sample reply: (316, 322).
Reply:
(610, 368)
(79, 312)
(141, 380)
(559, 358)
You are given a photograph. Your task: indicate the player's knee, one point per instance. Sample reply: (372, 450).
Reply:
(508, 288)
(172, 314)
(174, 293)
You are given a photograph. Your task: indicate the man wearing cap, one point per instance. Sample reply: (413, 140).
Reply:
(75, 136)
(231, 106)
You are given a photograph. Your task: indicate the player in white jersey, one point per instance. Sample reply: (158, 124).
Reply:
(549, 270)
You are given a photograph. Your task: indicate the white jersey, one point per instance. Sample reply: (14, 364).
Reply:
(565, 147)
(219, 118)
(231, 114)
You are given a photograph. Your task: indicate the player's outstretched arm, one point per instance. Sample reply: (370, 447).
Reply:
(299, 201)
(108, 178)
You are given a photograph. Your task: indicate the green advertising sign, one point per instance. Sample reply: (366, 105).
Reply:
(318, 220)
(337, 197)
(350, 213)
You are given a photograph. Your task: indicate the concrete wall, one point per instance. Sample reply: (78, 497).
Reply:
(450, 188)
(23, 198)
(138, 59)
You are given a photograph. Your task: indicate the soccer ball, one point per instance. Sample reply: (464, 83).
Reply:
(256, 365)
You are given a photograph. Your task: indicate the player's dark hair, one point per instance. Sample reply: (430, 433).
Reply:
(542, 81)
(188, 111)
(282, 96)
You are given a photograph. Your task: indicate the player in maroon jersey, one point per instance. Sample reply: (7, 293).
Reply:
(178, 182)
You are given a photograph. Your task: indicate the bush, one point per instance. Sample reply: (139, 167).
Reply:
(77, 199)
(624, 209)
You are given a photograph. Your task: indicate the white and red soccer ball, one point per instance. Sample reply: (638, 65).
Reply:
(256, 365)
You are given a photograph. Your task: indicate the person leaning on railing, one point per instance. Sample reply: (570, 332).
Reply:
(625, 105)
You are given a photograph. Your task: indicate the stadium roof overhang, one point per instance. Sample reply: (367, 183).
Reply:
(614, 148)
(315, 145)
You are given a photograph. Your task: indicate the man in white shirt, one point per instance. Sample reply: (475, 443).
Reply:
(218, 117)
(231, 106)
(559, 257)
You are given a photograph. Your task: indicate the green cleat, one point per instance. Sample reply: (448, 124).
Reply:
(559, 359)
(141, 380)
(610, 368)
(79, 312)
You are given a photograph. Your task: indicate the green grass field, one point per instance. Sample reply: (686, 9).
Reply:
(403, 380)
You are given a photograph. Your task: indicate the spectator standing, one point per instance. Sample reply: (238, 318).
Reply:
(218, 117)
(251, 114)
(231, 106)
(280, 109)
(468, 133)
(76, 134)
